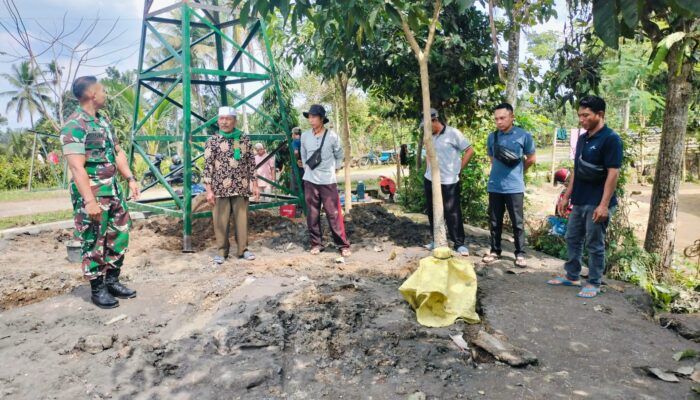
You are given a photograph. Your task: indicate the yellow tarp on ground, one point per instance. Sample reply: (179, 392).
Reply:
(442, 290)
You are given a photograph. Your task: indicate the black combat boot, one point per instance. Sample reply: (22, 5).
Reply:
(100, 294)
(115, 287)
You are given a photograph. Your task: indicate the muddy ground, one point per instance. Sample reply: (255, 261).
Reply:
(290, 325)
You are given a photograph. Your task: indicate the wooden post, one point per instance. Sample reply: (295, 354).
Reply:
(31, 166)
(554, 157)
(685, 158)
(396, 154)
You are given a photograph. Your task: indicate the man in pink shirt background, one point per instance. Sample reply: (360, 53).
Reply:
(266, 170)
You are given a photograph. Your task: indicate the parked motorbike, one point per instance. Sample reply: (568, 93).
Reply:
(176, 172)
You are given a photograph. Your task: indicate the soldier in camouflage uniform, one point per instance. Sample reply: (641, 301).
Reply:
(101, 218)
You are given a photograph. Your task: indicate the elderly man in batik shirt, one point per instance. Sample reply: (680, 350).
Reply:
(229, 170)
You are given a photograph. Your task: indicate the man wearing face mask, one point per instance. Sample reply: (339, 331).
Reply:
(599, 154)
(229, 170)
(102, 220)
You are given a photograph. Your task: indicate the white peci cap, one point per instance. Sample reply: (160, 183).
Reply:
(227, 112)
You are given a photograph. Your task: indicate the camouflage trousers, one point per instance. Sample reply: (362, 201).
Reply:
(104, 242)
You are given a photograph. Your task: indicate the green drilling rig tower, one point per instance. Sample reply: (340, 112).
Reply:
(175, 75)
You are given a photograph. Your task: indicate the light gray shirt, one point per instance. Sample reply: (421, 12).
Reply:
(331, 156)
(449, 146)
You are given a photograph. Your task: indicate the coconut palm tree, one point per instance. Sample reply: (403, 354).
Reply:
(28, 93)
(28, 90)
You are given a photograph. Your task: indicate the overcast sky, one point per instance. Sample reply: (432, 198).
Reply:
(122, 52)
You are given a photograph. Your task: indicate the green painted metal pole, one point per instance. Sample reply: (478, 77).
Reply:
(274, 77)
(186, 130)
(137, 90)
(220, 63)
(233, 42)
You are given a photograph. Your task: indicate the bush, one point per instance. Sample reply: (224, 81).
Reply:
(14, 173)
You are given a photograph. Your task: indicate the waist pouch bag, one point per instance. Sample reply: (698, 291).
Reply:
(316, 158)
(505, 155)
(589, 172)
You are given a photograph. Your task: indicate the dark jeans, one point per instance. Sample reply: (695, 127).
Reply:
(498, 203)
(581, 229)
(326, 195)
(452, 206)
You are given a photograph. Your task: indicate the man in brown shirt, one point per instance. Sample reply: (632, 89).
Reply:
(229, 169)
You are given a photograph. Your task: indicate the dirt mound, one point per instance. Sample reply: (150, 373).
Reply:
(328, 339)
(23, 286)
(375, 221)
(263, 225)
(364, 225)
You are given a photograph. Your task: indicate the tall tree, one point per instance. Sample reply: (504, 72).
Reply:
(27, 96)
(520, 14)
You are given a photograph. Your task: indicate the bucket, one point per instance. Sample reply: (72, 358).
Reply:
(73, 249)
(288, 210)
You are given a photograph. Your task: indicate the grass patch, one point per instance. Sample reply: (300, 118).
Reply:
(20, 195)
(33, 219)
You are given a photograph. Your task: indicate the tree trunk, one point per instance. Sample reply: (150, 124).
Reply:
(31, 165)
(554, 156)
(513, 59)
(342, 82)
(642, 133)
(626, 116)
(684, 175)
(396, 154)
(439, 229)
(661, 228)
(494, 41)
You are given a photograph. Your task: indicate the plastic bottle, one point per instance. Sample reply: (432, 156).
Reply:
(360, 191)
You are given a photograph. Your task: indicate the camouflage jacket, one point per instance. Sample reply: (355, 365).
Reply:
(93, 137)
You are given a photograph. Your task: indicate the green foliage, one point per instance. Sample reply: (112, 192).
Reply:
(474, 179)
(270, 105)
(541, 240)
(460, 66)
(412, 196)
(614, 19)
(543, 45)
(14, 173)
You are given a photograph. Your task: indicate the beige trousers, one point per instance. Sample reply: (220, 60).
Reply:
(238, 205)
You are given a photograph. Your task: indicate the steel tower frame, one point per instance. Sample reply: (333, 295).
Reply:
(205, 16)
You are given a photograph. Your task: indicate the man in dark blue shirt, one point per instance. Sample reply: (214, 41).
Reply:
(592, 194)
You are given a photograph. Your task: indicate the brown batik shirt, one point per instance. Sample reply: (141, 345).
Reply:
(227, 176)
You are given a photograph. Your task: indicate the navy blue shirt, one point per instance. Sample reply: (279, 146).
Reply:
(504, 179)
(604, 148)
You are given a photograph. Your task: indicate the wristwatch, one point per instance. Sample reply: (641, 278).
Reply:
(131, 178)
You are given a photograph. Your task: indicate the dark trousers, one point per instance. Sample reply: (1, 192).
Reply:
(452, 205)
(326, 196)
(293, 181)
(498, 203)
